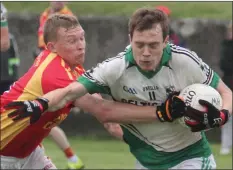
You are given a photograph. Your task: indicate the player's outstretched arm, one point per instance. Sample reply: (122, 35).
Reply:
(110, 111)
(60, 97)
(51, 101)
(105, 111)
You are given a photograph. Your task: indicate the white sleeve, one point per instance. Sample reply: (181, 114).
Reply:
(197, 71)
(100, 78)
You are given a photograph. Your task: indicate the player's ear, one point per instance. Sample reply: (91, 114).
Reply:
(51, 47)
(130, 39)
(166, 41)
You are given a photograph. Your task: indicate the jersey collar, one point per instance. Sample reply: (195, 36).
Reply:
(149, 74)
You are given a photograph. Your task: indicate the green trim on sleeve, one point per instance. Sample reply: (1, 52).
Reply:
(215, 80)
(93, 87)
(4, 23)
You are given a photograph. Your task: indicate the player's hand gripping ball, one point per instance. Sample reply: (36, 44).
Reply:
(204, 105)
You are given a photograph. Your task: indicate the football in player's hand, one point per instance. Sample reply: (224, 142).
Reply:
(193, 93)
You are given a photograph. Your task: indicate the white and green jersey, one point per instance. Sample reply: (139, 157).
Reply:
(156, 144)
(3, 16)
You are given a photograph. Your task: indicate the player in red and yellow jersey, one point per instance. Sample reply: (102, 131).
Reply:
(48, 72)
(55, 7)
(54, 68)
(57, 134)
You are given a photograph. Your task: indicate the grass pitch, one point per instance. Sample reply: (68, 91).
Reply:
(110, 154)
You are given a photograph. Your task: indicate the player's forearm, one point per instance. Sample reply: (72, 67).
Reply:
(114, 129)
(226, 95)
(60, 97)
(227, 101)
(110, 111)
(126, 113)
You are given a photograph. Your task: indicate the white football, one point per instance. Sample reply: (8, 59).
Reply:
(193, 93)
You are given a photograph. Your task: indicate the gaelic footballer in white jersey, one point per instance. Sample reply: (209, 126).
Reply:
(155, 145)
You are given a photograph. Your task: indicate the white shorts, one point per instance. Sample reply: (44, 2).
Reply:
(195, 163)
(36, 160)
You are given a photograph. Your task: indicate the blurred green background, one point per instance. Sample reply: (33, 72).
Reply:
(212, 10)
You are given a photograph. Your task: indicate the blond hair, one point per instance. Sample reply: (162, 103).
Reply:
(57, 21)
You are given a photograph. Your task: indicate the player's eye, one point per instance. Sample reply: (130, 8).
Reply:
(82, 38)
(153, 45)
(140, 45)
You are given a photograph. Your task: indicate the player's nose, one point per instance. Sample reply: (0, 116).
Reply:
(146, 52)
(81, 46)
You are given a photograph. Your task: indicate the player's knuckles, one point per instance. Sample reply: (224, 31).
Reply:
(12, 114)
(204, 103)
(16, 118)
(14, 104)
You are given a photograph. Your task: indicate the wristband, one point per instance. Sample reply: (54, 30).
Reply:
(43, 103)
(225, 115)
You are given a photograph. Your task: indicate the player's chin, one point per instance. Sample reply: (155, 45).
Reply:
(147, 67)
(80, 60)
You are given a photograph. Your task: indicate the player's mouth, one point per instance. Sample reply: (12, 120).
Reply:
(81, 55)
(145, 63)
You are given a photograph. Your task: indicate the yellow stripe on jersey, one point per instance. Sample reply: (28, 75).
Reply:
(33, 89)
(66, 69)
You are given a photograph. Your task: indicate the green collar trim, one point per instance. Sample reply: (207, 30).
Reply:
(149, 74)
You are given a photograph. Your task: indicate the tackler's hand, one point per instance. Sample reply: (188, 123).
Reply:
(32, 109)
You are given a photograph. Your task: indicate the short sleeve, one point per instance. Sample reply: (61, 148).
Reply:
(198, 71)
(100, 78)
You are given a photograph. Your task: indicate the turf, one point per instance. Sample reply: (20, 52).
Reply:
(110, 154)
(213, 10)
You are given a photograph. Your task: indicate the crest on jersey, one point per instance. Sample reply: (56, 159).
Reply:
(169, 90)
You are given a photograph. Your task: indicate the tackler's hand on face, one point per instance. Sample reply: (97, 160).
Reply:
(32, 109)
(210, 118)
(173, 108)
